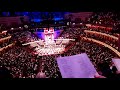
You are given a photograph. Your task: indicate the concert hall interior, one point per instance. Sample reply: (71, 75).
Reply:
(59, 45)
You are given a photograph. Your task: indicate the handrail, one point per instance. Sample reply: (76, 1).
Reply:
(2, 39)
(104, 34)
(104, 44)
(1, 49)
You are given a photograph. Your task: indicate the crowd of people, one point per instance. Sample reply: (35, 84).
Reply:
(113, 44)
(105, 18)
(20, 62)
(23, 63)
(4, 43)
(18, 59)
(3, 35)
(103, 31)
(97, 54)
(72, 33)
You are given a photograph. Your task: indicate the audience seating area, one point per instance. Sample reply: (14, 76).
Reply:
(100, 45)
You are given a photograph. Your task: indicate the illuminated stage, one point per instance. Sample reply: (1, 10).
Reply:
(50, 49)
(49, 45)
(56, 47)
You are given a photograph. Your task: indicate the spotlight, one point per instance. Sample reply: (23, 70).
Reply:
(26, 26)
(73, 23)
(12, 28)
(67, 23)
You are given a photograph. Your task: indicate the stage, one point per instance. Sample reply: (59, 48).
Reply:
(49, 44)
